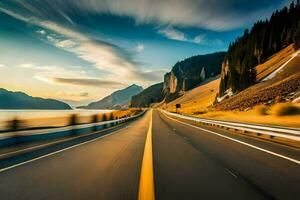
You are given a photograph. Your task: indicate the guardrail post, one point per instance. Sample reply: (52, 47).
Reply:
(95, 119)
(14, 124)
(73, 122)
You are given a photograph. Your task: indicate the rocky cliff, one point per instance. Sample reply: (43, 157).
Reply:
(191, 72)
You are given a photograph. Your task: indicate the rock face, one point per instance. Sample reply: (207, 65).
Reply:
(170, 83)
(191, 72)
(202, 75)
(20, 100)
(150, 95)
(117, 100)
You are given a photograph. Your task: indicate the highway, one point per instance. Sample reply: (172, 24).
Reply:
(171, 158)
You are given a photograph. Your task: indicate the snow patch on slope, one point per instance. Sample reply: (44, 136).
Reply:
(273, 74)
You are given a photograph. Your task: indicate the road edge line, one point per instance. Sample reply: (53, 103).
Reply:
(238, 141)
(146, 186)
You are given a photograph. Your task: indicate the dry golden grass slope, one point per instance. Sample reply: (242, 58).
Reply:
(274, 62)
(197, 99)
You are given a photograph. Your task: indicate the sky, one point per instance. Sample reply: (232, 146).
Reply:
(80, 51)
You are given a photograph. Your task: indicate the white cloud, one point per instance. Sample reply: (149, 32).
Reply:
(139, 48)
(47, 72)
(27, 65)
(2, 66)
(42, 32)
(15, 15)
(173, 34)
(65, 44)
(70, 75)
(199, 39)
(100, 54)
(188, 13)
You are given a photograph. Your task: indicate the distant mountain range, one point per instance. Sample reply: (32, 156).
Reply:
(117, 100)
(20, 100)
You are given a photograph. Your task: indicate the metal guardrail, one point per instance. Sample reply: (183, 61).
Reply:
(52, 133)
(283, 132)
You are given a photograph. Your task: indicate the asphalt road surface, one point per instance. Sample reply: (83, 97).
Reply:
(186, 162)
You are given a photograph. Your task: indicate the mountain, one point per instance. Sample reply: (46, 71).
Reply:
(152, 94)
(117, 100)
(20, 100)
(256, 46)
(189, 73)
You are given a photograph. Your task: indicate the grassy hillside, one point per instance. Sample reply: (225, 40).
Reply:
(150, 95)
(198, 99)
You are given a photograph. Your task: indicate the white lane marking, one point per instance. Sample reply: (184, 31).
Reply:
(230, 172)
(241, 142)
(56, 152)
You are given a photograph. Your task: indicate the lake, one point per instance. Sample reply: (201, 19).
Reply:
(36, 118)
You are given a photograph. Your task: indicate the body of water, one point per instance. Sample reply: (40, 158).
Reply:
(36, 118)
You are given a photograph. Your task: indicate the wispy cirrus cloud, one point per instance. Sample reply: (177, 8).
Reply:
(99, 53)
(175, 34)
(199, 39)
(213, 14)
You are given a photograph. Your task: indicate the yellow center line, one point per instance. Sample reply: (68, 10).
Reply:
(146, 188)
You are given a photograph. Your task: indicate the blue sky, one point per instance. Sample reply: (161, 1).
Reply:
(82, 50)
